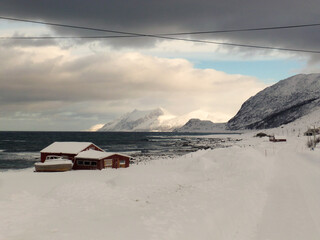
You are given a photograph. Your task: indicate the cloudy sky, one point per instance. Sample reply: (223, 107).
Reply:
(73, 84)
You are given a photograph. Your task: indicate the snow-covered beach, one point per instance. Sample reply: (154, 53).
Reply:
(255, 189)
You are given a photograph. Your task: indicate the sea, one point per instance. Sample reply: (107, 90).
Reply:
(19, 150)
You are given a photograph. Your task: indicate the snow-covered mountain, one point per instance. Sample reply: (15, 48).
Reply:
(197, 125)
(137, 121)
(153, 120)
(183, 119)
(279, 104)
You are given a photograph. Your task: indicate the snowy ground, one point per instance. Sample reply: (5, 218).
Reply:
(253, 190)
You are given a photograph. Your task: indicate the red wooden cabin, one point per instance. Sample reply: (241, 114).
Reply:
(67, 149)
(93, 159)
(277, 139)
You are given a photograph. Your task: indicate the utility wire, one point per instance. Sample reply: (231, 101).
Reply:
(246, 45)
(170, 38)
(73, 26)
(166, 36)
(62, 37)
(243, 30)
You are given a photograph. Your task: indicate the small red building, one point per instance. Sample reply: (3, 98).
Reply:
(93, 159)
(277, 139)
(67, 150)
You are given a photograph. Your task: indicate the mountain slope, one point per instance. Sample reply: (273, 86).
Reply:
(137, 121)
(152, 120)
(183, 119)
(279, 104)
(197, 125)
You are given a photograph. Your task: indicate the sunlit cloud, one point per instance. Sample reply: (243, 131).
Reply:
(50, 81)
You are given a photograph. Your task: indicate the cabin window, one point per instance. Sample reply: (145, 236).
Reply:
(51, 157)
(108, 163)
(86, 163)
(122, 161)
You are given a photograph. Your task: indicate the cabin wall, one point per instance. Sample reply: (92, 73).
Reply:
(273, 139)
(117, 159)
(88, 164)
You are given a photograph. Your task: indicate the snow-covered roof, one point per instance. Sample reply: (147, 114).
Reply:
(93, 154)
(279, 137)
(66, 147)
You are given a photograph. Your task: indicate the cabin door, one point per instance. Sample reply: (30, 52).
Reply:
(116, 163)
(108, 163)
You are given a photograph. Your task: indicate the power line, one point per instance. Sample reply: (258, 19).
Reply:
(167, 34)
(168, 38)
(62, 37)
(163, 36)
(243, 29)
(249, 46)
(72, 26)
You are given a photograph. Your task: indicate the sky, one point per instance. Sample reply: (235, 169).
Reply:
(73, 84)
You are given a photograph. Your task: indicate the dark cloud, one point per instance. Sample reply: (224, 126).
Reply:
(19, 41)
(145, 16)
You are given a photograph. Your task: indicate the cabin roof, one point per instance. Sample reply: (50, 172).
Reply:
(279, 137)
(93, 154)
(66, 147)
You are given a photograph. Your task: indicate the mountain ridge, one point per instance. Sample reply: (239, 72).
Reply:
(201, 126)
(158, 120)
(279, 104)
(276, 105)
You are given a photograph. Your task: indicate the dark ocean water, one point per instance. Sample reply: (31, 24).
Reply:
(22, 149)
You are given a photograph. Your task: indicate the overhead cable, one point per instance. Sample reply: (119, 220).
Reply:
(163, 36)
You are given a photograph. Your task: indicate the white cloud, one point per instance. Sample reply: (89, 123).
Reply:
(96, 127)
(215, 52)
(50, 82)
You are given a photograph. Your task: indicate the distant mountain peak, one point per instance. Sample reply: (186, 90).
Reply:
(197, 125)
(158, 119)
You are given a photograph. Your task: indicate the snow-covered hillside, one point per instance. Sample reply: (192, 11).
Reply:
(253, 190)
(196, 125)
(153, 120)
(279, 104)
(138, 121)
(299, 126)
